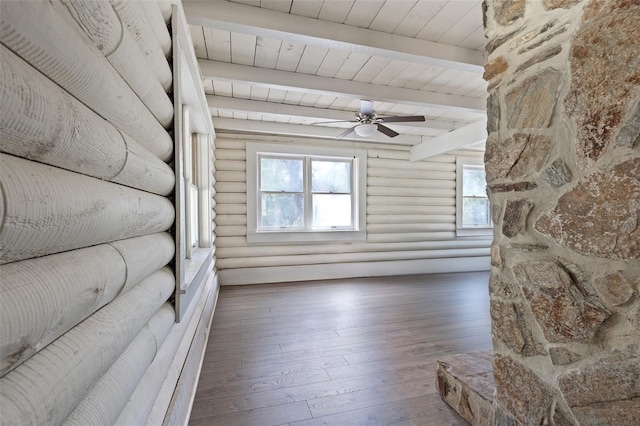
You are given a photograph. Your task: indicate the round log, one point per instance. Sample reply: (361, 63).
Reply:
(230, 198)
(170, 358)
(49, 385)
(315, 259)
(237, 187)
(165, 9)
(144, 255)
(158, 25)
(230, 165)
(55, 49)
(50, 210)
(145, 171)
(101, 24)
(44, 123)
(230, 230)
(133, 17)
(105, 401)
(410, 192)
(408, 165)
(36, 293)
(259, 251)
(410, 183)
(410, 174)
(377, 200)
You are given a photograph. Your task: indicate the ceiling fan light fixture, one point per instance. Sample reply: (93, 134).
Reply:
(366, 130)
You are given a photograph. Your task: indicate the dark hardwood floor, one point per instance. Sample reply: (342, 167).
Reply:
(341, 352)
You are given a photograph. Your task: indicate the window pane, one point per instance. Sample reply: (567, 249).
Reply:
(475, 211)
(278, 174)
(330, 176)
(474, 183)
(282, 210)
(331, 210)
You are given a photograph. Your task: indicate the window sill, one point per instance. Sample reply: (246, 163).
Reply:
(199, 261)
(474, 232)
(305, 237)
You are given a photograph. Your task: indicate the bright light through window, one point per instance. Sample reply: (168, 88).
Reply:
(331, 210)
(305, 194)
(473, 212)
(331, 193)
(475, 204)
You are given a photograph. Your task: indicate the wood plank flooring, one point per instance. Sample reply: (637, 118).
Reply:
(341, 352)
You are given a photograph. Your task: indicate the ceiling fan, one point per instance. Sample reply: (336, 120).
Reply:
(369, 122)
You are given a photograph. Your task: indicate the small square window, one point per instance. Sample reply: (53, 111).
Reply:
(473, 213)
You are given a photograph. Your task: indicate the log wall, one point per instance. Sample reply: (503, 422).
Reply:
(410, 223)
(87, 215)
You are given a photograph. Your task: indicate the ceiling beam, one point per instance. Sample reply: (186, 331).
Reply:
(225, 103)
(286, 80)
(269, 23)
(265, 127)
(464, 136)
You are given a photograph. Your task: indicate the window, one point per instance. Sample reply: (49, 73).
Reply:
(473, 213)
(304, 194)
(196, 161)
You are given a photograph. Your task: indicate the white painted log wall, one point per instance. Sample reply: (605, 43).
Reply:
(101, 24)
(107, 398)
(163, 372)
(135, 18)
(43, 123)
(156, 20)
(410, 217)
(68, 332)
(48, 210)
(185, 381)
(47, 387)
(54, 47)
(36, 292)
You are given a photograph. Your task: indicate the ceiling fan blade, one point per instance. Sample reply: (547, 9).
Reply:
(400, 119)
(387, 131)
(366, 107)
(345, 133)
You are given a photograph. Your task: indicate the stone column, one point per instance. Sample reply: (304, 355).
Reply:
(563, 171)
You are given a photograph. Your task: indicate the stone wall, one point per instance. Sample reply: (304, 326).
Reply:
(563, 170)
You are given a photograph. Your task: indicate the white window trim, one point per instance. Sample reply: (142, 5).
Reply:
(468, 231)
(329, 235)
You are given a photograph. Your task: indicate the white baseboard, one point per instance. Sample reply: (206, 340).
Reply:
(278, 274)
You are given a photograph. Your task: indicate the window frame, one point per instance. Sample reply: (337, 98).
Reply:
(461, 229)
(357, 158)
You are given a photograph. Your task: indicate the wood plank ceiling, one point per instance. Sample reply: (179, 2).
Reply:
(280, 66)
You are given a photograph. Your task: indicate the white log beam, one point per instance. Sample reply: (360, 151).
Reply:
(286, 80)
(464, 136)
(225, 103)
(265, 127)
(269, 23)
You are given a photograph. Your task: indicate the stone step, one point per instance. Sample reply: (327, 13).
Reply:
(465, 382)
